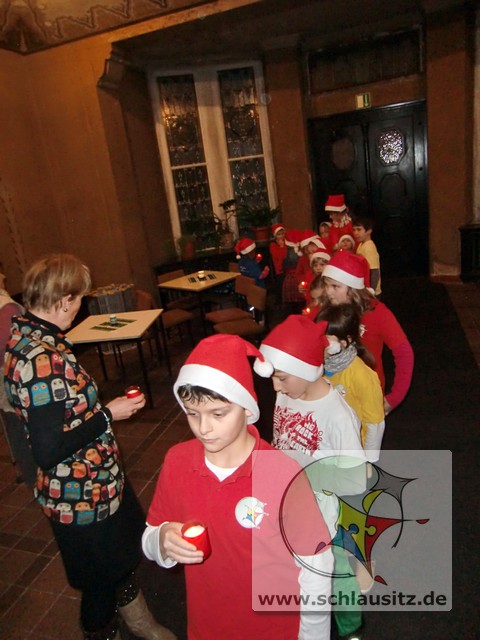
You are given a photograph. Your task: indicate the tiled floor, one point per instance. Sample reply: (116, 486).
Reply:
(35, 600)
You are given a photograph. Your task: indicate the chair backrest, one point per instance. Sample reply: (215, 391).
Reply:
(171, 275)
(234, 266)
(257, 297)
(144, 300)
(243, 284)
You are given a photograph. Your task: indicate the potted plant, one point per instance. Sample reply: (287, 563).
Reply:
(223, 223)
(187, 242)
(258, 218)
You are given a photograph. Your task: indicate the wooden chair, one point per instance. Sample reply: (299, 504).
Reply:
(239, 311)
(170, 319)
(254, 326)
(234, 266)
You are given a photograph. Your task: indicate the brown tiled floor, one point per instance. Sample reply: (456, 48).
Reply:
(35, 600)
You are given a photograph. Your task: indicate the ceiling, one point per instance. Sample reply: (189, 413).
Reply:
(271, 24)
(27, 26)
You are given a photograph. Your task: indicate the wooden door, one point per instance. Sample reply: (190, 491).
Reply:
(377, 158)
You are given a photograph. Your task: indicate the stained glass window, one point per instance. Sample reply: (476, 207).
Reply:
(242, 132)
(390, 146)
(214, 145)
(185, 148)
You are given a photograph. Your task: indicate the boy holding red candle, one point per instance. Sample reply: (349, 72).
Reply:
(249, 261)
(235, 484)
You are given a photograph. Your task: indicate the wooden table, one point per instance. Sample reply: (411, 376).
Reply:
(131, 327)
(193, 284)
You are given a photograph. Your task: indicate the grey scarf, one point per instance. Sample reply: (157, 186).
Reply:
(340, 361)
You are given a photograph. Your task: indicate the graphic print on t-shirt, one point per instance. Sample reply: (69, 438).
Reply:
(295, 431)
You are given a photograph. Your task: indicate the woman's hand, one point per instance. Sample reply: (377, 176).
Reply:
(123, 408)
(173, 546)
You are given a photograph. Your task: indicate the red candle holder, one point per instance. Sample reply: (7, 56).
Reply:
(259, 257)
(196, 532)
(133, 391)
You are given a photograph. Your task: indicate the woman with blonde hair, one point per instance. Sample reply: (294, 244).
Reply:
(96, 519)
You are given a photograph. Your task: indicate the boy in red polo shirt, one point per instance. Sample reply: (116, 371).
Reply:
(234, 482)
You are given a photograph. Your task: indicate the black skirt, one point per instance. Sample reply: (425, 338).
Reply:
(106, 551)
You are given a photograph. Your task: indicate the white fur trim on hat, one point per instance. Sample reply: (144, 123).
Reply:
(345, 237)
(330, 271)
(282, 361)
(247, 249)
(220, 382)
(320, 254)
(315, 239)
(339, 209)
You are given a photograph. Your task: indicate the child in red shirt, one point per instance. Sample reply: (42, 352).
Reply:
(234, 483)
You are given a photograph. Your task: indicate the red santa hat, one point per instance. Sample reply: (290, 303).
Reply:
(311, 236)
(293, 238)
(219, 363)
(349, 269)
(336, 203)
(346, 236)
(244, 246)
(296, 346)
(322, 253)
(276, 228)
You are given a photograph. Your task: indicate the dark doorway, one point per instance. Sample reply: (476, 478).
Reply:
(377, 159)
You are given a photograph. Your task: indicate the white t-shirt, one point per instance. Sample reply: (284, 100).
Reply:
(318, 428)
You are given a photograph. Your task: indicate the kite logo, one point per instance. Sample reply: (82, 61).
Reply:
(356, 520)
(249, 512)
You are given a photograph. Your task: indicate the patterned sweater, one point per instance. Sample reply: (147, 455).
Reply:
(80, 479)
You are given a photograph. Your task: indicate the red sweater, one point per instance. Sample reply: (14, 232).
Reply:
(221, 592)
(379, 327)
(278, 255)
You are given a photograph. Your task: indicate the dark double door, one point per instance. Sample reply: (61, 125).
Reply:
(377, 158)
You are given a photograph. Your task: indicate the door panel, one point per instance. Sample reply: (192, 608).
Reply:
(377, 159)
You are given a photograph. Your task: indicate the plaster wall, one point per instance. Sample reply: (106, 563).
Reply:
(64, 195)
(449, 81)
(288, 135)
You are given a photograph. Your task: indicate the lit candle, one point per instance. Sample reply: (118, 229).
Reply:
(259, 257)
(303, 283)
(132, 391)
(196, 532)
(306, 311)
(201, 275)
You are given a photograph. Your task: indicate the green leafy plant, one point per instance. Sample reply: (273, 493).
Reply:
(229, 208)
(254, 217)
